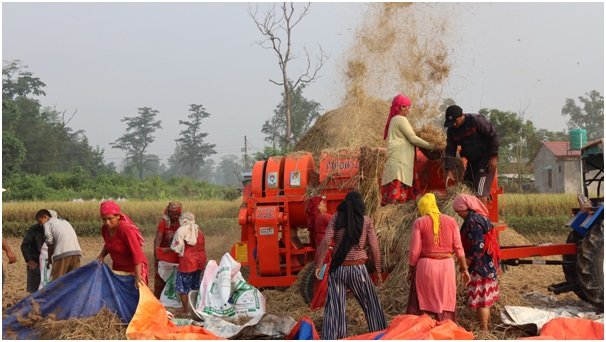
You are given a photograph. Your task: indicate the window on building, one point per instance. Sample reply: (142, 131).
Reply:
(549, 179)
(559, 168)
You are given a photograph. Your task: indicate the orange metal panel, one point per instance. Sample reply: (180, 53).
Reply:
(274, 181)
(271, 281)
(521, 252)
(297, 173)
(429, 173)
(267, 234)
(337, 170)
(258, 179)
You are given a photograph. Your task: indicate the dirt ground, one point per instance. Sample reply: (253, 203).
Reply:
(515, 283)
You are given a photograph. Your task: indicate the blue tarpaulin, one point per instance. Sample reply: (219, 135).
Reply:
(80, 293)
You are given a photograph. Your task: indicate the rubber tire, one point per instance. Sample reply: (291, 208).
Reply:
(570, 271)
(590, 265)
(306, 285)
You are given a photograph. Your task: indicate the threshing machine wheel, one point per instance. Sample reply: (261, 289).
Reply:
(590, 265)
(570, 265)
(306, 286)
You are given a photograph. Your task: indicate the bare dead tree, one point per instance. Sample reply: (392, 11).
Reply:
(276, 28)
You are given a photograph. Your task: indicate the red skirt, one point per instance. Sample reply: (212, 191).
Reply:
(397, 192)
(482, 292)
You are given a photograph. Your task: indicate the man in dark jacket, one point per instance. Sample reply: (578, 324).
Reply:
(31, 247)
(479, 143)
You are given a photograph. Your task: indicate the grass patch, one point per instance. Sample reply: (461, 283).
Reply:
(516, 205)
(538, 230)
(213, 215)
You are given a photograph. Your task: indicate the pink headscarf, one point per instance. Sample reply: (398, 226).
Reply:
(398, 101)
(468, 202)
(491, 245)
(112, 208)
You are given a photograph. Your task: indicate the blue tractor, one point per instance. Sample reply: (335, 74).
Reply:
(584, 271)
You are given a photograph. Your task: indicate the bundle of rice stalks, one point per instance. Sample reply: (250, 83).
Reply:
(371, 164)
(105, 325)
(433, 135)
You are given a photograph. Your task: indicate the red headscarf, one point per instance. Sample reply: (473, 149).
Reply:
(112, 208)
(468, 202)
(398, 101)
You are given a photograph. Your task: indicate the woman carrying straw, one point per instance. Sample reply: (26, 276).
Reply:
(482, 251)
(434, 243)
(397, 179)
(123, 242)
(353, 232)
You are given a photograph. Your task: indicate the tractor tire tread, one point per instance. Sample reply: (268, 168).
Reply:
(590, 261)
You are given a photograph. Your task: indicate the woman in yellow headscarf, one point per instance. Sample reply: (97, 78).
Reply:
(434, 243)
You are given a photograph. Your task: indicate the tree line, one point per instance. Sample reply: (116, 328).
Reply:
(43, 158)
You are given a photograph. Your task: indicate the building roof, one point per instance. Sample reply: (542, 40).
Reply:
(560, 149)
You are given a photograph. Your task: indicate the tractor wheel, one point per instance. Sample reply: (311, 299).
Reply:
(590, 265)
(306, 286)
(570, 269)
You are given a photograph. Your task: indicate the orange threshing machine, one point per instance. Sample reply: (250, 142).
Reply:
(273, 214)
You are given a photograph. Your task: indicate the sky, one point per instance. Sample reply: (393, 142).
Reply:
(105, 60)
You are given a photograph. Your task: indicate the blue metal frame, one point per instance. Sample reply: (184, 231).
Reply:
(582, 222)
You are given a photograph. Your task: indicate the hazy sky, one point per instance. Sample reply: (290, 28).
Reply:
(107, 59)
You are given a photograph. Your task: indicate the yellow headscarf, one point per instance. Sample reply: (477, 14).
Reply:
(427, 206)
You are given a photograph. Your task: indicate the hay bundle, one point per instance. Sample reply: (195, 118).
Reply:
(354, 125)
(105, 325)
(371, 164)
(433, 135)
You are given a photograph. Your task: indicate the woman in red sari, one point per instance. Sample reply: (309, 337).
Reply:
(123, 242)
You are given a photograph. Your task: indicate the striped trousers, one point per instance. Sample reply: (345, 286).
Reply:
(357, 279)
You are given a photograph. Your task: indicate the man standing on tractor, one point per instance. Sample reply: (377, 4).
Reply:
(479, 143)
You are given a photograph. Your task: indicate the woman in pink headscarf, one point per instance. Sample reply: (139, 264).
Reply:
(123, 242)
(397, 180)
(482, 252)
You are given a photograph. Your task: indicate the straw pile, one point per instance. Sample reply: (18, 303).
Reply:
(356, 124)
(105, 325)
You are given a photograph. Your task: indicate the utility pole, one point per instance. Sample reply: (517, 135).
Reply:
(246, 163)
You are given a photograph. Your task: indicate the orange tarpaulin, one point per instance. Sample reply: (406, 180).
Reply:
(570, 329)
(151, 323)
(412, 327)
